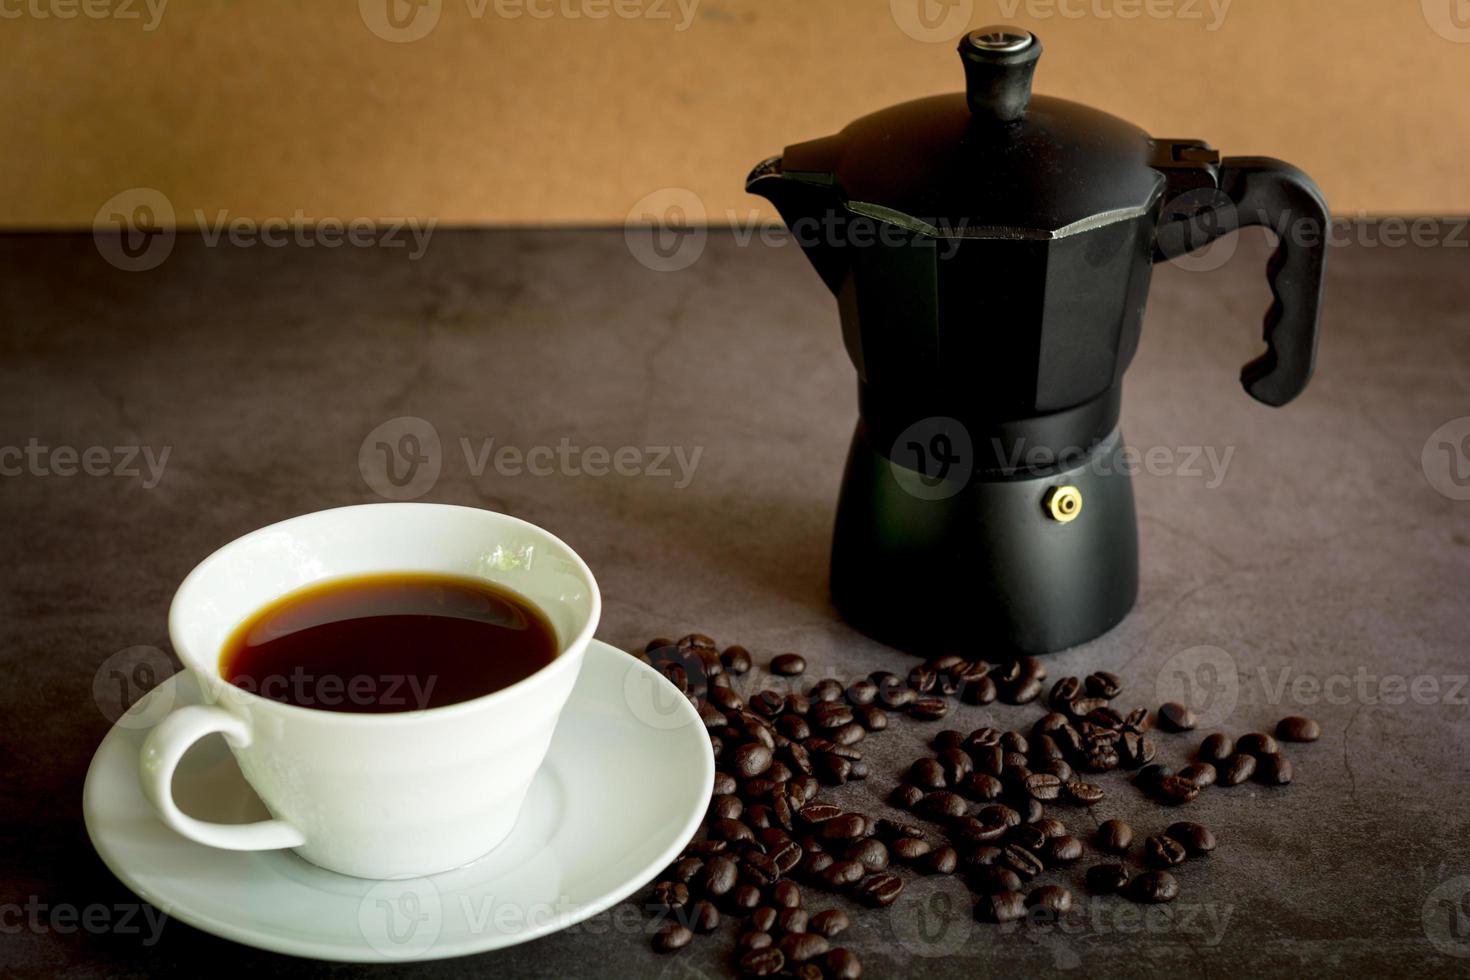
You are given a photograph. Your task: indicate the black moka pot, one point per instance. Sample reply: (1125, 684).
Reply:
(991, 254)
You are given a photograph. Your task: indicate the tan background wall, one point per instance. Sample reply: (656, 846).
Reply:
(269, 107)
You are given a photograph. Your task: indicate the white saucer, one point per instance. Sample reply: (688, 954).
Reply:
(624, 786)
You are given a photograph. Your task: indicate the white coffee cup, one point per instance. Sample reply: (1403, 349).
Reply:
(373, 795)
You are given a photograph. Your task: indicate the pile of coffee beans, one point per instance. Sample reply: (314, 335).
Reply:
(976, 805)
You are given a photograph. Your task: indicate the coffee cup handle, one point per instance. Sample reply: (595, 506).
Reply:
(166, 745)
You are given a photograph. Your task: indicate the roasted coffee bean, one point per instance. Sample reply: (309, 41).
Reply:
(991, 879)
(676, 674)
(724, 784)
(670, 895)
(1104, 684)
(786, 895)
(672, 937)
(758, 870)
(982, 786)
(799, 947)
(712, 717)
(871, 717)
(832, 769)
(940, 861)
(1102, 758)
(1163, 851)
(1196, 838)
(870, 853)
(726, 805)
(827, 690)
(1257, 744)
(1028, 836)
(999, 812)
(896, 695)
(982, 855)
(1052, 827)
(841, 964)
(704, 917)
(791, 919)
(1135, 750)
(828, 715)
(726, 699)
(1236, 770)
(905, 797)
(1114, 837)
(1080, 708)
(1023, 690)
(1105, 717)
(756, 938)
(1031, 811)
(813, 863)
(696, 641)
(861, 692)
(685, 869)
(972, 831)
(1175, 717)
(849, 752)
(718, 876)
(979, 691)
(788, 665)
(956, 765)
(1295, 728)
(1044, 748)
(1273, 770)
(766, 961)
(1043, 786)
(941, 805)
(1022, 861)
(1202, 774)
(768, 703)
(990, 759)
(829, 922)
(706, 848)
(1105, 879)
(794, 727)
(817, 813)
(998, 907)
(849, 734)
(926, 773)
(1150, 776)
(848, 826)
(1064, 692)
(658, 644)
(910, 848)
(1153, 887)
(736, 659)
(743, 898)
(1136, 721)
(982, 738)
(922, 679)
(1014, 742)
(1063, 850)
(1176, 790)
(786, 856)
(840, 874)
(879, 890)
(1216, 748)
(1054, 898)
(895, 829)
(1083, 793)
(763, 919)
(1050, 722)
(929, 709)
(730, 830)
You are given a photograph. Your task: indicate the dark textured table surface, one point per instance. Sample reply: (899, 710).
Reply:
(1314, 569)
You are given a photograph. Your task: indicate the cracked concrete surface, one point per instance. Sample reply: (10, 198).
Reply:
(1323, 576)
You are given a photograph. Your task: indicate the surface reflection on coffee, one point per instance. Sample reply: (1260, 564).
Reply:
(388, 642)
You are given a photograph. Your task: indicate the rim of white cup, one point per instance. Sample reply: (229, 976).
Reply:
(220, 689)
